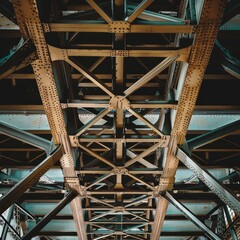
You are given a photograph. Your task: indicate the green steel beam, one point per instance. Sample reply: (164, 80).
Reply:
(26, 137)
(32, 178)
(225, 194)
(189, 215)
(232, 230)
(40, 225)
(212, 136)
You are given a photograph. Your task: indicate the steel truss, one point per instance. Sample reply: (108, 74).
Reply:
(121, 193)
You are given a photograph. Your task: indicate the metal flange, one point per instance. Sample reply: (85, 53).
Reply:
(120, 170)
(119, 102)
(119, 27)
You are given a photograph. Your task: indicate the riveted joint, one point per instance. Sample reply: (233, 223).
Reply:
(46, 27)
(119, 27)
(119, 102)
(119, 209)
(120, 170)
(74, 141)
(119, 53)
(166, 184)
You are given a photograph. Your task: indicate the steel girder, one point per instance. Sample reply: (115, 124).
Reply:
(18, 190)
(110, 184)
(214, 135)
(45, 79)
(188, 214)
(46, 219)
(26, 137)
(198, 60)
(223, 193)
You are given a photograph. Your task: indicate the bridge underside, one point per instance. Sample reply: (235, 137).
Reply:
(119, 119)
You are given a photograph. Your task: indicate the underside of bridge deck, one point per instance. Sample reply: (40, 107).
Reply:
(119, 119)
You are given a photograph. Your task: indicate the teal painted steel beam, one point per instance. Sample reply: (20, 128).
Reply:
(32, 178)
(192, 11)
(156, 16)
(26, 137)
(212, 136)
(232, 230)
(5, 226)
(41, 224)
(232, 9)
(189, 215)
(225, 194)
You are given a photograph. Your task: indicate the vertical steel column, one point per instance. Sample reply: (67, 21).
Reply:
(119, 43)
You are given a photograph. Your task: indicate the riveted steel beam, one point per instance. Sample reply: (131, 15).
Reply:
(181, 54)
(226, 195)
(99, 26)
(28, 18)
(188, 214)
(46, 219)
(204, 40)
(18, 190)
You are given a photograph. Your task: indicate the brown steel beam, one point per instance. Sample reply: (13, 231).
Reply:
(201, 50)
(30, 24)
(101, 27)
(25, 76)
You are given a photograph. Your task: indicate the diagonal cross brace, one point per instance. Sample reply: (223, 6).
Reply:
(226, 195)
(46, 219)
(18, 190)
(189, 215)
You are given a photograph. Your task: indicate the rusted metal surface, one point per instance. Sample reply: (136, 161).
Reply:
(30, 25)
(205, 37)
(120, 159)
